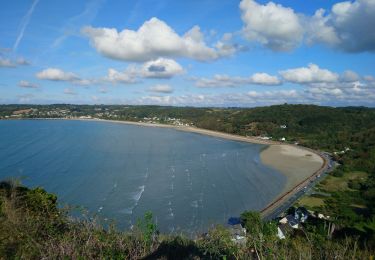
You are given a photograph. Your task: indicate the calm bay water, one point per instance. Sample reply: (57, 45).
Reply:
(189, 181)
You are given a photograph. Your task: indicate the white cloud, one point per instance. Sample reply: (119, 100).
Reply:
(308, 75)
(5, 62)
(355, 95)
(319, 29)
(27, 84)
(349, 76)
(347, 26)
(225, 47)
(251, 98)
(126, 77)
(56, 75)
(264, 79)
(161, 68)
(222, 80)
(353, 23)
(326, 91)
(272, 25)
(152, 40)
(161, 89)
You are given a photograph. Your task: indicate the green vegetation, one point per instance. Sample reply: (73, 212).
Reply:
(33, 227)
(347, 195)
(311, 202)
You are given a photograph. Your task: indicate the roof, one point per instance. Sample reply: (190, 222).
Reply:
(292, 221)
(302, 210)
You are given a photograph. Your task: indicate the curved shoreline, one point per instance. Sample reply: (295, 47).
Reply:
(284, 158)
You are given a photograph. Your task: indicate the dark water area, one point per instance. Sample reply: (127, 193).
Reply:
(117, 171)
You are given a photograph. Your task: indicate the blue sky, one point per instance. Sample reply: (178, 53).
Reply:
(201, 52)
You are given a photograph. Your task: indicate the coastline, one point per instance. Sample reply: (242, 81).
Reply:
(298, 164)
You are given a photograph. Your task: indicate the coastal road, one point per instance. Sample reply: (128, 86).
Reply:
(284, 202)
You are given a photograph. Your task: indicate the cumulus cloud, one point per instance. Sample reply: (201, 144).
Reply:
(325, 91)
(355, 95)
(251, 98)
(220, 80)
(27, 84)
(349, 76)
(272, 25)
(310, 74)
(319, 29)
(161, 89)
(56, 75)
(152, 40)
(264, 79)
(347, 26)
(126, 77)
(225, 47)
(161, 68)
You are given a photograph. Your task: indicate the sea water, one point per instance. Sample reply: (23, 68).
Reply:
(118, 172)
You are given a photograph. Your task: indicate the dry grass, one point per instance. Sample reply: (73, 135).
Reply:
(311, 202)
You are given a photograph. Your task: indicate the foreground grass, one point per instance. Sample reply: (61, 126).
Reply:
(33, 227)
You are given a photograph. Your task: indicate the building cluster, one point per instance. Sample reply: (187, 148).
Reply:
(286, 225)
(346, 149)
(168, 120)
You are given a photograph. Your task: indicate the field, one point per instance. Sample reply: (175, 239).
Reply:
(332, 184)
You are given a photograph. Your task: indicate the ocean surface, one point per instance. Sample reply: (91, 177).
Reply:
(118, 172)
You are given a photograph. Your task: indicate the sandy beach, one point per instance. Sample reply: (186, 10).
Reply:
(297, 164)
